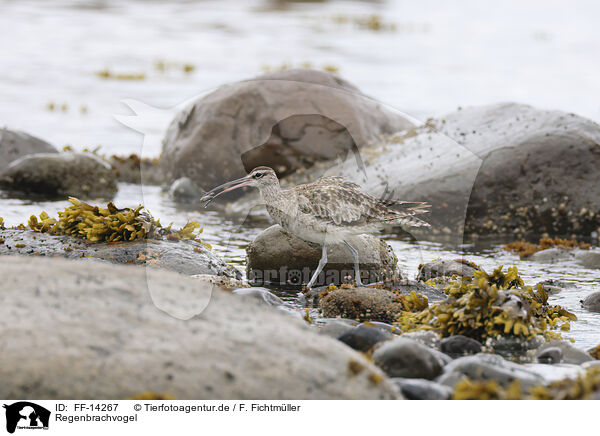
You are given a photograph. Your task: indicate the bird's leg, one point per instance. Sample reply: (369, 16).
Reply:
(356, 265)
(320, 267)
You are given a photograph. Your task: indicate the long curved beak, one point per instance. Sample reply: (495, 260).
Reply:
(225, 187)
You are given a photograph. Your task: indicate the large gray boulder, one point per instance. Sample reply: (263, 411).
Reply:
(499, 169)
(52, 175)
(286, 120)
(185, 257)
(87, 330)
(15, 144)
(276, 256)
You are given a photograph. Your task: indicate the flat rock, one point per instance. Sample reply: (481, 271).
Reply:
(88, 330)
(15, 144)
(286, 120)
(51, 175)
(402, 357)
(484, 367)
(185, 257)
(278, 257)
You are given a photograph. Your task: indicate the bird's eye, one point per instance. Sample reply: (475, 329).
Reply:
(258, 175)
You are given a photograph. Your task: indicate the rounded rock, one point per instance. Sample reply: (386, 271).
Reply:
(52, 175)
(592, 302)
(401, 357)
(363, 337)
(459, 345)
(550, 355)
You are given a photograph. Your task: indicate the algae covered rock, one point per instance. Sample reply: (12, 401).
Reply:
(402, 357)
(15, 144)
(90, 330)
(368, 304)
(185, 257)
(278, 257)
(286, 120)
(488, 306)
(60, 175)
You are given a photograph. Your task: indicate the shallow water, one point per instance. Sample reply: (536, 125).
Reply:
(439, 55)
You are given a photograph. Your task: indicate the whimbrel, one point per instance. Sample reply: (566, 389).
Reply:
(326, 211)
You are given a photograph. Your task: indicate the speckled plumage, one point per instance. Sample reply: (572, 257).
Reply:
(327, 210)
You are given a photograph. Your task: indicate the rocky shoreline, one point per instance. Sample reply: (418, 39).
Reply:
(107, 303)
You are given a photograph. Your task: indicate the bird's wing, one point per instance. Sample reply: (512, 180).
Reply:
(334, 200)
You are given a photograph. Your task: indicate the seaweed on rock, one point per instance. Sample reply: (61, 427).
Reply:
(110, 224)
(490, 305)
(525, 249)
(584, 387)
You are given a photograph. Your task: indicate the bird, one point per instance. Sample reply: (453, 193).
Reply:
(326, 211)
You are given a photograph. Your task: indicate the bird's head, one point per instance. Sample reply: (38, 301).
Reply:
(259, 177)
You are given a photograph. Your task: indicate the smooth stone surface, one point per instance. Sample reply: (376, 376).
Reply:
(459, 345)
(185, 257)
(483, 367)
(444, 268)
(552, 255)
(570, 354)
(89, 330)
(422, 389)
(276, 256)
(285, 120)
(15, 144)
(592, 302)
(588, 258)
(550, 355)
(402, 357)
(52, 175)
(334, 327)
(185, 190)
(363, 337)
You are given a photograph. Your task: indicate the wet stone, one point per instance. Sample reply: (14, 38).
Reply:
(402, 357)
(570, 354)
(484, 367)
(363, 337)
(334, 327)
(550, 355)
(445, 268)
(592, 302)
(422, 389)
(459, 345)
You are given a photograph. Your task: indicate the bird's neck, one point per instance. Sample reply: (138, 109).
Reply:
(271, 192)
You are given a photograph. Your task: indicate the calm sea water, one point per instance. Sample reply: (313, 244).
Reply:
(426, 59)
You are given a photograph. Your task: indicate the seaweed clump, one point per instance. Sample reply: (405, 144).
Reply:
(585, 386)
(2, 224)
(490, 305)
(595, 352)
(525, 249)
(109, 224)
